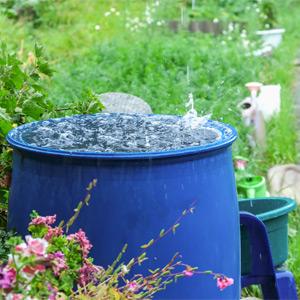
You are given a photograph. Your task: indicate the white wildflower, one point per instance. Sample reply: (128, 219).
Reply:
(230, 27)
(243, 33)
(149, 20)
(125, 270)
(246, 43)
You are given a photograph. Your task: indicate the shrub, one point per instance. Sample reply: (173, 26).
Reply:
(23, 98)
(29, 10)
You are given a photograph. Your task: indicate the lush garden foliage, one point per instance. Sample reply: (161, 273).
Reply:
(101, 46)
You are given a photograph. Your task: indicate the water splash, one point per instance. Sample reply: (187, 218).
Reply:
(118, 133)
(191, 119)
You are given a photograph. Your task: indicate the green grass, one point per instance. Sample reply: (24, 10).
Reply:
(294, 242)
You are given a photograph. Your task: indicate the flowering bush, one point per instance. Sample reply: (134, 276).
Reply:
(52, 264)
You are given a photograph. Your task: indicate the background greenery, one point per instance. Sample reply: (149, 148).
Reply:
(107, 45)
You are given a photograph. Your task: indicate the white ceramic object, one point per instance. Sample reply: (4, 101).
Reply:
(260, 107)
(265, 51)
(268, 100)
(252, 116)
(254, 88)
(271, 37)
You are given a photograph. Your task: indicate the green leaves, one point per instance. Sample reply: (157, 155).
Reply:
(162, 233)
(31, 108)
(21, 86)
(145, 246)
(5, 122)
(4, 247)
(38, 50)
(38, 231)
(89, 104)
(175, 227)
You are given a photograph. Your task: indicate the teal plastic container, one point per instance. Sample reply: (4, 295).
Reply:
(273, 212)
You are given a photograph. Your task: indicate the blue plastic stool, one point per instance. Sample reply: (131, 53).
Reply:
(275, 284)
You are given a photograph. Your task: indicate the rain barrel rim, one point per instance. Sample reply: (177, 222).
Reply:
(225, 141)
(274, 213)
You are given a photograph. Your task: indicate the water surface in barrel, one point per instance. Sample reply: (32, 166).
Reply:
(117, 133)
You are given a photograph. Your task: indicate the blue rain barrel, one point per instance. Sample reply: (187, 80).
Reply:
(137, 195)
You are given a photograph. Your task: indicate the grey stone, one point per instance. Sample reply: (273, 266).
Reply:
(284, 180)
(124, 103)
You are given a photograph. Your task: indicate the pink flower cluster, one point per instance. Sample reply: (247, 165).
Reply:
(7, 277)
(224, 282)
(53, 232)
(83, 241)
(58, 262)
(87, 272)
(48, 220)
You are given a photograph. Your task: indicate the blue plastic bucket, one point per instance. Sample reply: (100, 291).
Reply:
(137, 195)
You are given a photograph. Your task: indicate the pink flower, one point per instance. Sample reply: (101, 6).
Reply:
(22, 248)
(53, 291)
(7, 277)
(52, 232)
(188, 272)
(87, 273)
(223, 282)
(58, 262)
(240, 164)
(32, 270)
(12, 296)
(36, 246)
(132, 286)
(83, 241)
(49, 220)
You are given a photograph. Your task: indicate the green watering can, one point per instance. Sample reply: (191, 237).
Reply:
(252, 187)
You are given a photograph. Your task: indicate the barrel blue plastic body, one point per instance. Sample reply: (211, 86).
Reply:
(137, 195)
